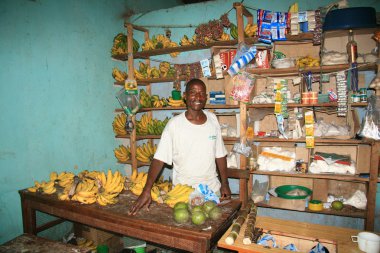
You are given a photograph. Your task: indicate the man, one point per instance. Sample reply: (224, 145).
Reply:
(193, 143)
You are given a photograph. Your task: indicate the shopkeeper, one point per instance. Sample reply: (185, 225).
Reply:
(193, 144)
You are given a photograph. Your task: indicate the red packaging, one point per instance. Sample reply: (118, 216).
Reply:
(262, 59)
(227, 57)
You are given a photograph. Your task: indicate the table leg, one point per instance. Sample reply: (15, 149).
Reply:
(28, 217)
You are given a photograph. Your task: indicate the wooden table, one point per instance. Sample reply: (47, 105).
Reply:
(156, 225)
(28, 243)
(341, 236)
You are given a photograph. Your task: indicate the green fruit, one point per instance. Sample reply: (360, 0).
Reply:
(337, 205)
(215, 213)
(208, 205)
(198, 218)
(196, 209)
(181, 215)
(180, 205)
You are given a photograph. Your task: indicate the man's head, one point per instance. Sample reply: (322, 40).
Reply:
(196, 95)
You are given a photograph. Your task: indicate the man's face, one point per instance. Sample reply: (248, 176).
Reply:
(196, 97)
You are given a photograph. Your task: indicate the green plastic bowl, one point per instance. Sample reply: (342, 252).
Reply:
(283, 190)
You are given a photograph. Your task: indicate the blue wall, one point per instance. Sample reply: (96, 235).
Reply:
(56, 94)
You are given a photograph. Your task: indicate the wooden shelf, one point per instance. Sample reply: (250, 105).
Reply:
(291, 105)
(348, 178)
(144, 82)
(139, 164)
(317, 140)
(296, 71)
(162, 51)
(347, 211)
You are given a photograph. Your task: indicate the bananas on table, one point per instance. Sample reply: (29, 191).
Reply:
(137, 182)
(87, 187)
(180, 193)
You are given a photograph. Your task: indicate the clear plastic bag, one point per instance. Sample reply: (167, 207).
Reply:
(243, 84)
(371, 121)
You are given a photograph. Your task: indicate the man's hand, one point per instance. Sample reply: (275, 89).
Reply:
(225, 192)
(144, 200)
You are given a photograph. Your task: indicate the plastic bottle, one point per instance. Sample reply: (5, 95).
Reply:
(352, 47)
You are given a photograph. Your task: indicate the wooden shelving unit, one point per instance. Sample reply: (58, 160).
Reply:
(243, 14)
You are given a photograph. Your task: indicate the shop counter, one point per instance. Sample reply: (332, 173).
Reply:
(155, 225)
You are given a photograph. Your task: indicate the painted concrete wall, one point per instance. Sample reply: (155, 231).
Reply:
(56, 97)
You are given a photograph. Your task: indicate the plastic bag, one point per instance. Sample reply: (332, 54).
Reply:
(371, 121)
(243, 84)
(241, 148)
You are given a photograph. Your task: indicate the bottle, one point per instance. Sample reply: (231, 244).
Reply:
(352, 48)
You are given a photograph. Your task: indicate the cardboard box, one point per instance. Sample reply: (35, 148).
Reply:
(99, 237)
(226, 53)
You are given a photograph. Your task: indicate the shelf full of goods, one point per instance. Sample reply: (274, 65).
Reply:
(301, 91)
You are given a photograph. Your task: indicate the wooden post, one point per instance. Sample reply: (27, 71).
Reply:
(240, 12)
(132, 139)
(372, 186)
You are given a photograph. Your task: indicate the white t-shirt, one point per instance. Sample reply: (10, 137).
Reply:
(192, 150)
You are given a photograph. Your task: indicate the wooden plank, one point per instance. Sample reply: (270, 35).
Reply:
(238, 173)
(372, 187)
(347, 178)
(341, 236)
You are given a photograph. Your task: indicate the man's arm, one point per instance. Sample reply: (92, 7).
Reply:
(145, 199)
(221, 163)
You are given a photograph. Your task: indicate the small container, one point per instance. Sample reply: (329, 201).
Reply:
(363, 95)
(313, 101)
(305, 100)
(176, 94)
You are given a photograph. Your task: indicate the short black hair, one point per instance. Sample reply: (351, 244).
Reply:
(194, 81)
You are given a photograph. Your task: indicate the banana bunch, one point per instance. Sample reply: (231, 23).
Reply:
(153, 72)
(157, 102)
(122, 153)
(164, 186)
(307, 61)
(145, 152)
(118, 75)
(147, 45)
(180, 193)
(250, 30)
(86, 192)
(86, 175)
(176, 103)
(118, 124)
(225, 36)
(43, 187)
(166, 70)
(110, 187)
(145, 99)
(293, 8)
(85, 243)
(185, 41)
(65, 179)
(120, 45)
(173, 44)
(139, 75)
(136, 182)
(156, 127)
(142, 124)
